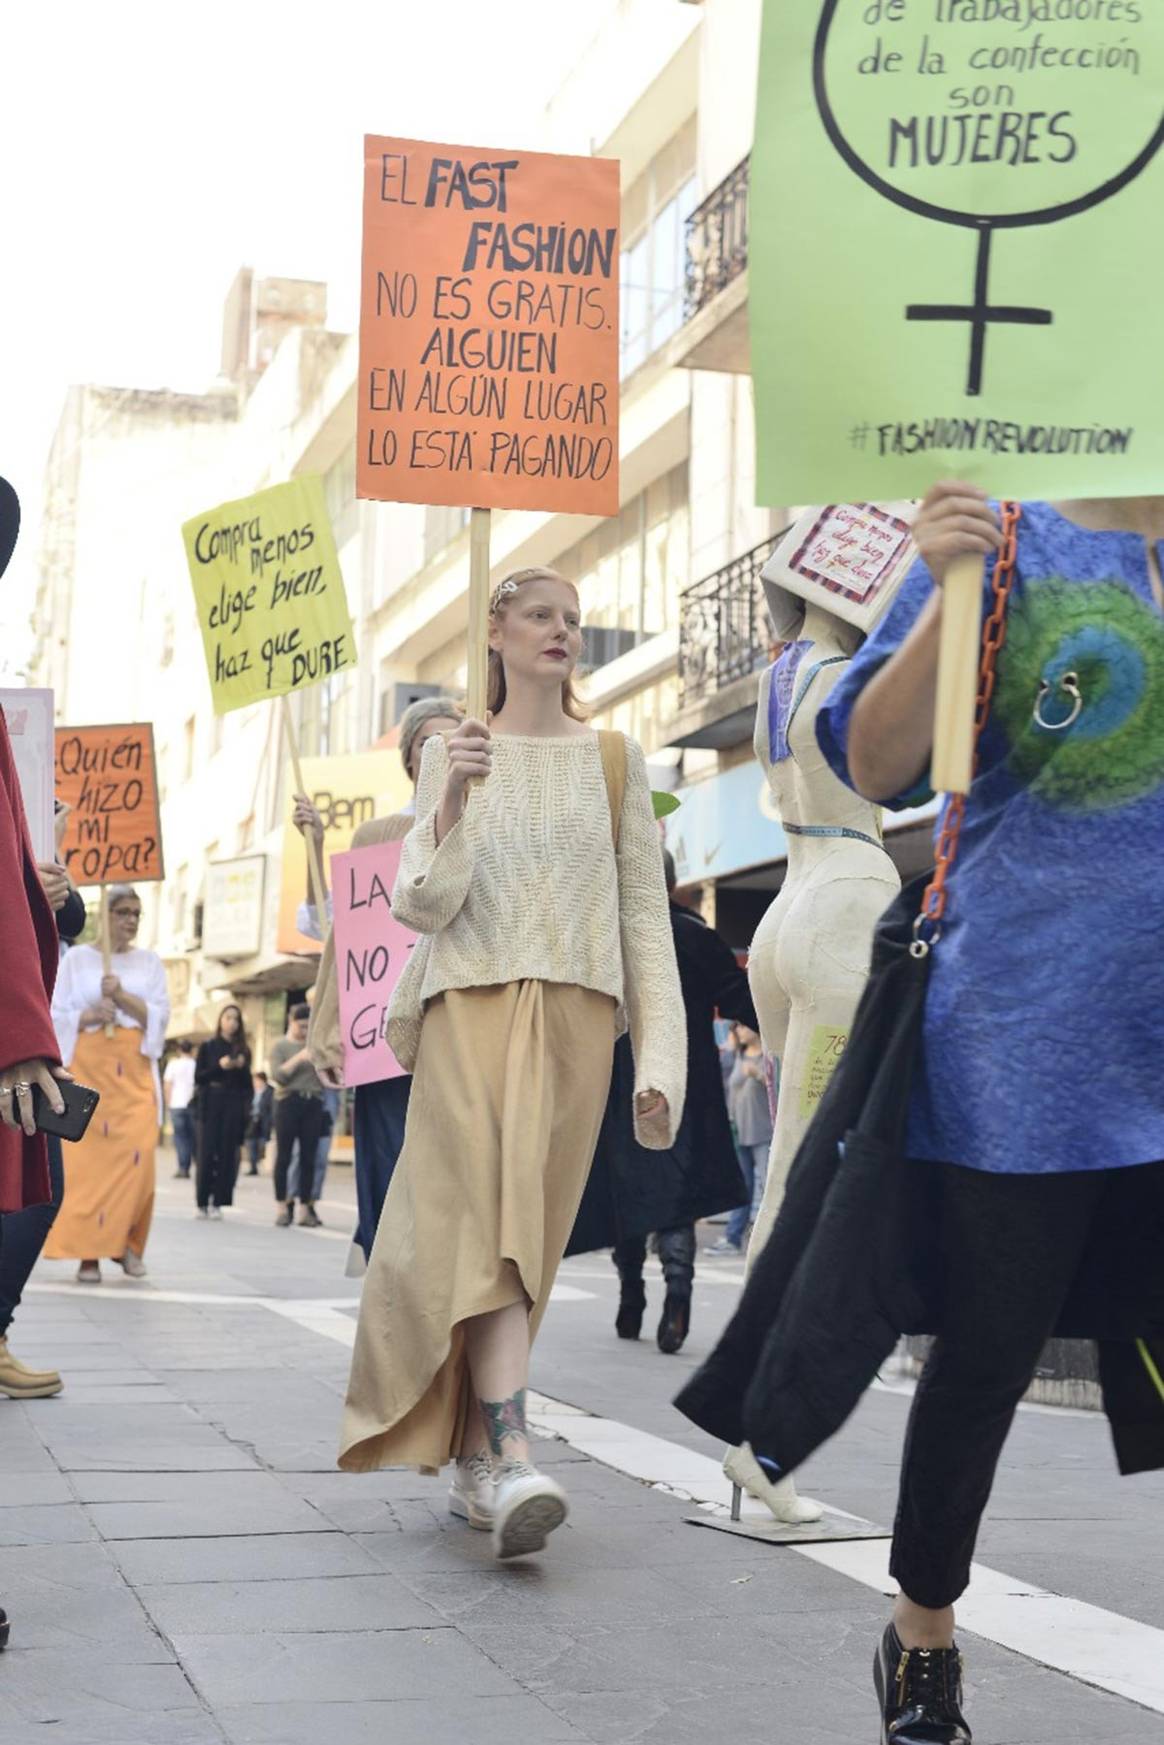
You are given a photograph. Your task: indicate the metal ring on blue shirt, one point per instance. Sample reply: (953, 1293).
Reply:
(1070, 684)
(922, 946)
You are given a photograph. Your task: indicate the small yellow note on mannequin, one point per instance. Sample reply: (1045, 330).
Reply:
(824, 1051)
(269, 593)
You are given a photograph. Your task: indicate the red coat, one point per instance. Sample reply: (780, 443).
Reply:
(31, 952)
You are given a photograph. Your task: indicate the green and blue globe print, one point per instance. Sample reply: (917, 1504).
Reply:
(1112, 641)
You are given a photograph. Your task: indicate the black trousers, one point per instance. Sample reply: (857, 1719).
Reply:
(1011, 1246)
(381, 1113)
(296, 1117)
(23, 1235)
(676, 1251)
(220, 1137)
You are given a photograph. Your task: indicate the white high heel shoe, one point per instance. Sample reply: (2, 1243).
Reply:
(779, 1498)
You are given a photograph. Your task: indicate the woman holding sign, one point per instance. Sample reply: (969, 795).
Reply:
(535, 874)
(112, 1028)
(380, 1108)
(1026, 1195)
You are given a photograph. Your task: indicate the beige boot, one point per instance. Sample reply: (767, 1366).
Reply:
(21, 1383)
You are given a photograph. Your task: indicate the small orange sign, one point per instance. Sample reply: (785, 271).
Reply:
(489, 329)
(108, 777)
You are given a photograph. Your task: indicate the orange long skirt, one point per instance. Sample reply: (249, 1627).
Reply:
(109, 1175)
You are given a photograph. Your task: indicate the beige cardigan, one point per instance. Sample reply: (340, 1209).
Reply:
(528, 886)
(323, 1034)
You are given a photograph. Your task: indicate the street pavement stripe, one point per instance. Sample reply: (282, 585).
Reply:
(707, 1275)
(1097, 1647)
(1085, 1642)
(311, 1312)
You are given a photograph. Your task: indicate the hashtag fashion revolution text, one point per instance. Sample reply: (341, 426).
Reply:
(993, 436)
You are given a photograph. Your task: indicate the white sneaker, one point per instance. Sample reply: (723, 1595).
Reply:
(471, 1492)
(132, 1264)
(527, 1507)
(202, 1212)
(216, 1211)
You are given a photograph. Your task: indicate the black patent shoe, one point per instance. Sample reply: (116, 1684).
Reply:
(628, 1323)
(920, 1692)
(675, 1324)
(4, 1629)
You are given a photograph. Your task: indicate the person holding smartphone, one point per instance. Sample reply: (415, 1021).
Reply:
(29, 1055)
(223, 1077)
(25, 1233)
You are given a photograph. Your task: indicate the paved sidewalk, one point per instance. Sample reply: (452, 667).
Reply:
(184, 1565)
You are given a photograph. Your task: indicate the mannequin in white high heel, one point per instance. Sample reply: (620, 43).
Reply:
(810, 955)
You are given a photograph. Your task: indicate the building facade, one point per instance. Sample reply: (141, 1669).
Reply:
(677, 633)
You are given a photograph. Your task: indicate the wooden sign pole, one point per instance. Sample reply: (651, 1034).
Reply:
(106, 945)
(959, 652)
(314, 866)
(477, 686)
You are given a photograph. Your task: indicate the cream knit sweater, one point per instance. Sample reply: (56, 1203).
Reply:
(526, 887)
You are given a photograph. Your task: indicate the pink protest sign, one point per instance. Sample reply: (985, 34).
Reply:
(371, 950)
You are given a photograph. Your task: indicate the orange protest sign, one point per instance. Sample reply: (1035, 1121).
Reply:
(489, 329)
(109, 777)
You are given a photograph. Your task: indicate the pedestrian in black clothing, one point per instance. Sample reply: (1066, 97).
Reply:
(223, 1077)
(262, 1121)
(633, 1192)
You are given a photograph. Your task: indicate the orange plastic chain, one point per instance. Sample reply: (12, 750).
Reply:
(933, 906)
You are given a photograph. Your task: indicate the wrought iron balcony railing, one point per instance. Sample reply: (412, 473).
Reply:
(724, 629)
(717, 241)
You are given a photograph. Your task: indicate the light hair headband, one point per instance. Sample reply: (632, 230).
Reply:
(507, 589)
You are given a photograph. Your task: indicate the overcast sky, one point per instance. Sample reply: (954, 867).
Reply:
(149, 151)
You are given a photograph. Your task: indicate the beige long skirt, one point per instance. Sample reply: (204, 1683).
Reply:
(507, 1101)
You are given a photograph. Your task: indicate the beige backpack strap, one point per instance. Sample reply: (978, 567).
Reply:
(613, 749)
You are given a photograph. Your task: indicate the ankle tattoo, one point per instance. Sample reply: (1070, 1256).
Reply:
(504, 1422)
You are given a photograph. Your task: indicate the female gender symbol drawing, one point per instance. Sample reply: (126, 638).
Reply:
(1043, 137)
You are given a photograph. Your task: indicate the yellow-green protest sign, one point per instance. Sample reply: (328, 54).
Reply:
(955, 247)
(270, 595)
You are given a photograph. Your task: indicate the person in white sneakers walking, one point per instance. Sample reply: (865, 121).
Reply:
(535, 876)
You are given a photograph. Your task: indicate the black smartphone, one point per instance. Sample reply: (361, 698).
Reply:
(79, 1101)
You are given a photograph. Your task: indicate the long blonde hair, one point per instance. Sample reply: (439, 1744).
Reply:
(572, 704)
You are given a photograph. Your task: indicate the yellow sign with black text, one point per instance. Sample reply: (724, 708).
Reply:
(269, 594)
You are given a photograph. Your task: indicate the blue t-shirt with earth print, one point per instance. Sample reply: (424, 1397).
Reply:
(1044, 1025)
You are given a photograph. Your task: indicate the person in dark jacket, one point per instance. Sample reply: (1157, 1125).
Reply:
(633, 1192)
(25, 1233)
(262, 1122)
(223, 1077)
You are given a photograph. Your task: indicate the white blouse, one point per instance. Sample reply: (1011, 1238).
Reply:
(141, 973)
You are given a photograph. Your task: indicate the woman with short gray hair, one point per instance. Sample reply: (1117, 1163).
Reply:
(381, 1107)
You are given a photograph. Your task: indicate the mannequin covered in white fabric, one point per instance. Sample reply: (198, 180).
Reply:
(810, 956)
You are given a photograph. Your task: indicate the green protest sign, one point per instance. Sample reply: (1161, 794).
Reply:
(956, 251)
(270, 594)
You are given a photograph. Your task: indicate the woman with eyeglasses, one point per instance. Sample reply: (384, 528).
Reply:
(111, 1028)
